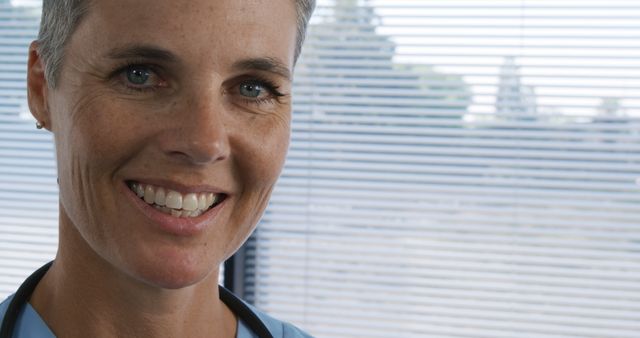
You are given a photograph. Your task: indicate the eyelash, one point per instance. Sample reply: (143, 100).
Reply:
(265, 83)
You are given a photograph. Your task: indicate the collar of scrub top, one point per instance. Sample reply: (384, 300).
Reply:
(23, 294)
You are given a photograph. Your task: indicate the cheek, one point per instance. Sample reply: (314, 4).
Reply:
(101, 130)
(259, 155)
(91, 143)
(263, 150)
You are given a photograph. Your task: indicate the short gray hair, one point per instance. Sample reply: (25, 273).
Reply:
(60, 18)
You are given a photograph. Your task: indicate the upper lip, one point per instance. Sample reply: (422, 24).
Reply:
(178, 186)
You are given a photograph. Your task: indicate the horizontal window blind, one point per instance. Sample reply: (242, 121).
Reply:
(460, 169)
(28, 189)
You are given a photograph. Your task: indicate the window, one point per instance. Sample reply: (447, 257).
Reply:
(28, 189)
(460, 169)
(457, 169)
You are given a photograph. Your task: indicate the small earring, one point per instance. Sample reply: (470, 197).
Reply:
(39, 125)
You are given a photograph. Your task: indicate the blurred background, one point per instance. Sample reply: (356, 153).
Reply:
(457, 169)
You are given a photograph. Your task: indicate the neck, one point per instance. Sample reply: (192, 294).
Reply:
(86, 297)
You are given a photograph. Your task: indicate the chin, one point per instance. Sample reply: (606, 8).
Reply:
(174, 272)
(174, 278)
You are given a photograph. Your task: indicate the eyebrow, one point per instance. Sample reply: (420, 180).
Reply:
(142, 51)
(265, 64)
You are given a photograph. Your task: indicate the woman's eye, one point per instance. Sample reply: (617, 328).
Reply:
(138, 75)
(139, 78)
(252, 90)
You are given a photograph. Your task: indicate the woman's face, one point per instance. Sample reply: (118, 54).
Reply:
(189, 99)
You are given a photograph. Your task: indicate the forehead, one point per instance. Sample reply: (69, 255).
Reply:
(214, 28)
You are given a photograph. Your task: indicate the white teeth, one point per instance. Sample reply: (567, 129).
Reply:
(202, 202)
(139, 190)
(173, 200)
(190, 202)
(160, 197)
(149, 194)
(174, 203)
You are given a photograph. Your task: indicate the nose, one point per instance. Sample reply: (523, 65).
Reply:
(199, 133)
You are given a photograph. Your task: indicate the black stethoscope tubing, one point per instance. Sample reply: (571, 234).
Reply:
(23, 294)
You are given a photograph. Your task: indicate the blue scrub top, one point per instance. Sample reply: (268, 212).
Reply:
(30, 325)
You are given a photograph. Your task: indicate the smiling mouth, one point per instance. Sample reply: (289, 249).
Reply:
(175, 203)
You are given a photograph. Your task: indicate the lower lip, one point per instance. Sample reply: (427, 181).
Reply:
(178, 226)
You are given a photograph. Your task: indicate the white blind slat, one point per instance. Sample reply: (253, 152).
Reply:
(460, 169)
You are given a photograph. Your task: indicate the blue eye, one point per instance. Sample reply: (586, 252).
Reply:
(138, 75)
(251, 89)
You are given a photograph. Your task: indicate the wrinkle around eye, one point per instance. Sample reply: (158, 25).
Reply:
(85, 105)
(268, 105)
(276, 115)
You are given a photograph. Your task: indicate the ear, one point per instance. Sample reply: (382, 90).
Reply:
(37, 89)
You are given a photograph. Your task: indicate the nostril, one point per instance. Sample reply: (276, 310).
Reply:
(198, 152)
